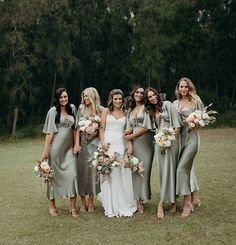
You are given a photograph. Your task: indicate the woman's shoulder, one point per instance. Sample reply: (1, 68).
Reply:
(175, 102)
(72, 106)
(167, 103)
(105, 110)
(52, 110)
(198, 99)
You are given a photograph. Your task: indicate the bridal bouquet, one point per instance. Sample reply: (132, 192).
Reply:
(164, 138)
(199, 119)
(104, 160)
(90, 126)
(135, 165)
(44, 171)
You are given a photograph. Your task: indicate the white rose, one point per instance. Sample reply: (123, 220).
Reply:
(87, 123)
(97, 118)
(205, 116)
(94, 163)
(36, 168)
(134, 160)
(115, 163)
(168, 143)
(81, 123)
(95, 154)
(99, 168)
(158, 135)
(171, 130)
(201, 123)
(45, 166)
(192, 125)
(82, 128)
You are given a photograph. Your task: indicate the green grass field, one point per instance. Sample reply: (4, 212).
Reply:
(24, 206)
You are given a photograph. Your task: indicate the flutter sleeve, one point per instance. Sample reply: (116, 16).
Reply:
(50, 125)
(199, 106)
(147, 122)
(77, 117)
(175, 120)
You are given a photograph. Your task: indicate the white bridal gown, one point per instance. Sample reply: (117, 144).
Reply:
(117, 191)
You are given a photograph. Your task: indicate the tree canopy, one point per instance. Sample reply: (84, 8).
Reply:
(113, 44)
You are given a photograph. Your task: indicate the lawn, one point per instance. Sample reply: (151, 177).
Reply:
(24, 206)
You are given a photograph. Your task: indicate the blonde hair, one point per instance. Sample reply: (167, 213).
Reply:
(192, 91)
(94, 98)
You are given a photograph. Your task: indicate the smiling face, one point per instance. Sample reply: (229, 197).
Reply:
(138, 95)
(183, 88)
(86, 100)
(63, 99)
(152, 97)
(117, 100)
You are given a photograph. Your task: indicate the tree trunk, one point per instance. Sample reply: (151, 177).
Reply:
(15, 117)
(53, 89)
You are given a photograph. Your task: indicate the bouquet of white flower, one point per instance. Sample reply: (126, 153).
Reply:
(135, 165)
(44, 171)
(199, 119)
(164, 137)
(90, 126)
(104, 160)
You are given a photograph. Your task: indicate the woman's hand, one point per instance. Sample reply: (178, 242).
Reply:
(128, 131)
(128, 137)
(129, 150)
(76, 149)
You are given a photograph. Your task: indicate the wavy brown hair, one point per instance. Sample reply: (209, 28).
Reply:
(110, 99)
(151, 108)
(192, 91)
(130, 99)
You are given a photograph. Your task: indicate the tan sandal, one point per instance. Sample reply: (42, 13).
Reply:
(53, 212)
(83, 209)
(91, 208)
(197, 203)
(74, 213)
(186, 212)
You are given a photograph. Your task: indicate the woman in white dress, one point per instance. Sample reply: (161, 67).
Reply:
(116, 191)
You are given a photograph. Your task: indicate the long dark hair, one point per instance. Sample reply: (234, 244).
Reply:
(110, 99)
(151, 108)
(130, 100)
(68, 109)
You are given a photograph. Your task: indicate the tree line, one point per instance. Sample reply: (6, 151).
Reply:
(112, 44)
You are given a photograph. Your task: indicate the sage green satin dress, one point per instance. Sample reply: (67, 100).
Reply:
(61, 157)
(167, 162)
(143, 149)
(186, 181)
(88, 181)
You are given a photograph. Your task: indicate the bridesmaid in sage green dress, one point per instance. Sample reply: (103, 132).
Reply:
(138, 130)
(58, 149)
(86, 144)
(164, 114)
(187, 102)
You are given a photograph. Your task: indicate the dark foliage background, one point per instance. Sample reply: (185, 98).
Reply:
(113, 44)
